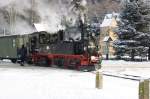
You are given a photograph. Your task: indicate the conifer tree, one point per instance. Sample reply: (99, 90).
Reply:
(127, 44)
(133, 29)
(143, 27)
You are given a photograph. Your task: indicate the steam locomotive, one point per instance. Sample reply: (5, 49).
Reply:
(52, 49)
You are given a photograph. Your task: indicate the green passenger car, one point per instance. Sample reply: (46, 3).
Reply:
(10, 44)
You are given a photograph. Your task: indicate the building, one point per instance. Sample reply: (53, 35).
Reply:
(107, 34)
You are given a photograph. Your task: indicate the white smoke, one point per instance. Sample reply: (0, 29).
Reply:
(83, 3)
(54, 13)
(49, 15)
(14, 16)
(19, 13)
(4, 3)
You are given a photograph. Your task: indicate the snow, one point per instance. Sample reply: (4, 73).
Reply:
(106, 22)
(127, 68)
(40, 27)
(107, 39)
(31, 82)
(45, 27)
(6, 60)
(109, 18)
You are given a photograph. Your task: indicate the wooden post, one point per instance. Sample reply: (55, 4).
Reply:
(99, 78)
(144, 89)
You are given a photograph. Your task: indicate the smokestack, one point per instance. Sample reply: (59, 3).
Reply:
(34, 18)
(32, 11)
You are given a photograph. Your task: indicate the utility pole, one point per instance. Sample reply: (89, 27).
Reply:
(12, 19)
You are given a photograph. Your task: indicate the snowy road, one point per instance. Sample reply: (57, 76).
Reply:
(32, 82)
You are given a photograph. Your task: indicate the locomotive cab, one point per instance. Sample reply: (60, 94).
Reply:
(41, 41)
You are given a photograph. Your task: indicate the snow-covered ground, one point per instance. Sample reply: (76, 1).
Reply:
(141, 69)
(30, 82)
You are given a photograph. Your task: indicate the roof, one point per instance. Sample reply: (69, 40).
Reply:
(47, 27)
(109, 18)
(107, 39)
(40, 27)
(106, 22)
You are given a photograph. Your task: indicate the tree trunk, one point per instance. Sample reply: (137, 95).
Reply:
(149, 53)
(132, 54)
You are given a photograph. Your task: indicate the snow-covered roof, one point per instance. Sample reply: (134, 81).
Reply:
(40, 27)
(48, 27)
(109, 18)
(106, 22)
(107, 39)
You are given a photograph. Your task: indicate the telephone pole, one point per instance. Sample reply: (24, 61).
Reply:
(12, 18)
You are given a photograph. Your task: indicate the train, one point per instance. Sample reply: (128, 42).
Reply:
(51, 49)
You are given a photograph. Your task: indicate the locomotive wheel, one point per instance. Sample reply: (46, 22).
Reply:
(13, 60)
(73, 63)
(49, 62)
(29, 61)
(82, 68)
(60, 63)
(44, 62)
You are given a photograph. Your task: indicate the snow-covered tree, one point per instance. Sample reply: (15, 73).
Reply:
(127, 43)
(133, 29)
(143, 26)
